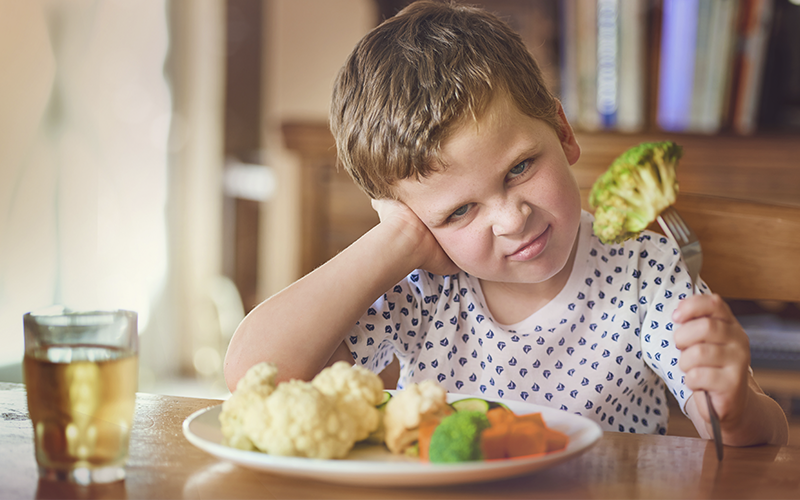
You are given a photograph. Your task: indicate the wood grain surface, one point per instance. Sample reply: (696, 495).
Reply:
(164, 464)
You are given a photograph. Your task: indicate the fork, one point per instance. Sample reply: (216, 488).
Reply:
(675, 227)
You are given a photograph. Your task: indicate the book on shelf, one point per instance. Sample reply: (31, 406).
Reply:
(677, 64)
(632, 65)
(692, 66)
(754, 28)
(568, 59)
(780, 91)
(586, 57)
(608, 62)
(603, 57)
(710, 45)
(713, 64)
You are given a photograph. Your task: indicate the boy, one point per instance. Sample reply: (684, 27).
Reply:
(483, 272)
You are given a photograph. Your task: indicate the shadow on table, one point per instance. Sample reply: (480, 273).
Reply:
(52, 490)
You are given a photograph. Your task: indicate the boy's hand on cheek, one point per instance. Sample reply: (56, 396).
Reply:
(715, 354)
(414, 233)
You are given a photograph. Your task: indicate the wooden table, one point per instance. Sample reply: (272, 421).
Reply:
(164, 464)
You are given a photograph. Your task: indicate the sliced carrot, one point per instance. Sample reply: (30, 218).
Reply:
(494, 441)
(526, 437)
(532, 418)
(512, 435)
(427, 425)
(500, 415)
(556, 440)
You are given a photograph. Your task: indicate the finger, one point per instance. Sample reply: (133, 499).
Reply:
(713, 343)
(724, 387)
(702, 356)
(382, 206)
(716, 356)
(388, 209)
(714, 380)
(700, 330)
(713, 331)
(698, 306)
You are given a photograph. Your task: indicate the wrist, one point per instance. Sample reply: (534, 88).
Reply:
(403, 241)
(762, 421)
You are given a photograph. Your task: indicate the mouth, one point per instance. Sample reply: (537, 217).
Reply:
(532, 248)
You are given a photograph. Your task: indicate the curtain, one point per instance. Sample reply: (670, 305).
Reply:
(110, 152)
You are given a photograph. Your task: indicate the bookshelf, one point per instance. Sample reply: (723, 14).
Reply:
(687, 66)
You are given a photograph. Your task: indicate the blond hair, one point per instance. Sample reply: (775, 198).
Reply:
(417, 77)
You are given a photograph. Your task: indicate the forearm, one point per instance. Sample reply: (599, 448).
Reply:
(299, 328)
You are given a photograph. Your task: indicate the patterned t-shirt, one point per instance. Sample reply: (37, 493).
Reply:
(602, 348)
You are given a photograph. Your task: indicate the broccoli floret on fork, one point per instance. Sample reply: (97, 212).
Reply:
(634, 190)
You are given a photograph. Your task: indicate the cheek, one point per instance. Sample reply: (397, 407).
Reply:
(561, 198)
(464, 247)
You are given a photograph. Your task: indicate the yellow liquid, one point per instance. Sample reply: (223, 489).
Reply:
(81, 400)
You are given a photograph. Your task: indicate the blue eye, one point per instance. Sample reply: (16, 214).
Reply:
(461, 211)
(518, 169)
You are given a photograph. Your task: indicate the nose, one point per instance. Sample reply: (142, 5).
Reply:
(510, 217)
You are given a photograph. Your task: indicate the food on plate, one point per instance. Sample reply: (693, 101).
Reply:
(468, 429)
(406, 410)
(476, 404)
(486, 434)
(634, 190)
(257, 384)
(426, 427)
(344, 405)
(323, 418)
(457, 438)
(512, 435)
(357, 393)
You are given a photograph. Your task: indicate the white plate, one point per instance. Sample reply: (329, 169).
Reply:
(376, 466)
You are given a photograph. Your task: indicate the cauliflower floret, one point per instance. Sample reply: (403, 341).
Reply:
(257, 384)
(299, 420)
(357, 392)
(407, 408)
(319, 419)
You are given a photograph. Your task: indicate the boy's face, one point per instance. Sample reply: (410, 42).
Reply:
(506, 207)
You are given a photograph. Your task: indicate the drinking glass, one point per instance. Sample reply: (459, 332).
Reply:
(81, 371)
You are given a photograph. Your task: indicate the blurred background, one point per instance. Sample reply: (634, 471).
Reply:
(141, 163)
(172, 156)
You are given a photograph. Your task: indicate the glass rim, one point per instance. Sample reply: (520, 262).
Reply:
(65, 316)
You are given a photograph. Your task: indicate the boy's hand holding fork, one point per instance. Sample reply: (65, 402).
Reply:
(715, 355)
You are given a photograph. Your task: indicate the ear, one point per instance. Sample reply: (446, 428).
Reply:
(569, 143)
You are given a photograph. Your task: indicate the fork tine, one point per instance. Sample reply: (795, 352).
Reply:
(676, 228)
(676, 225)
(681, 224)
(671, 222)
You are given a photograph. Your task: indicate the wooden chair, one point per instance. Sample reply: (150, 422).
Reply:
(751, 251)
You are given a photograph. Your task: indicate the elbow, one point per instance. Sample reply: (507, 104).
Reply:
(230, 372)
(234, 366)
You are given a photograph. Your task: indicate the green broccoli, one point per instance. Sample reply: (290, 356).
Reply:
(457, 437)
(634, 190)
